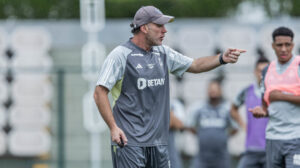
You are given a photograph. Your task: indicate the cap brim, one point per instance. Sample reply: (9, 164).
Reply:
(164, 19)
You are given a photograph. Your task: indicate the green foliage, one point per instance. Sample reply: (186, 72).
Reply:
(70, 9)
(295, 11)
(178, 8)
(39, 9)
(275, 8)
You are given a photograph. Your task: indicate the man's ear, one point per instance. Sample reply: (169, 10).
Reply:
(144, 28)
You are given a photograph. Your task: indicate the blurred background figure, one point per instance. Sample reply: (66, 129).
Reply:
(212, 121)
(254, 156)
(176, 124)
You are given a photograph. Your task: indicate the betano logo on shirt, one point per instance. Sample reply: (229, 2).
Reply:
(142, 83)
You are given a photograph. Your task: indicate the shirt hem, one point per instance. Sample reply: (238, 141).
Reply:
(281, 138)
(103, 85)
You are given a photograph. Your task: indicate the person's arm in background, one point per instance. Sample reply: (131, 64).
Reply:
(237, 117)
(232, 125)
(277, 95)
(261, 111)
(234, 111)
(192, 118)
(175, 123)
(233, 131)
(101, 99)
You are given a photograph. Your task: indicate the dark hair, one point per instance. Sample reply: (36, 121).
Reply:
(282, 31)
(134, 30)
(261, 57)
(218, 79)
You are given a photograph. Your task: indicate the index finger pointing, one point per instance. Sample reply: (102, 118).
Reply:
(232, 49)
(241, 50)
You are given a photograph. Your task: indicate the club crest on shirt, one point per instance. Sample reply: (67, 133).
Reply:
(150, 66)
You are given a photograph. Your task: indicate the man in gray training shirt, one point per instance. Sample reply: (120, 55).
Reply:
(137, 75)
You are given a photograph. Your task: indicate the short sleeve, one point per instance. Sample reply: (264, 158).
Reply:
(177, 63)
(240, 98)
(231, 123)
(262, 82)
(178, 108)
(113, 67)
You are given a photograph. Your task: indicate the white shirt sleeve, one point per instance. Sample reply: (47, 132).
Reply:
(113, 67)
(177, 63)
(230, 121)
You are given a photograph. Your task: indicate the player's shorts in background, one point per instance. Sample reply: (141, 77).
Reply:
(253, 159)
(138, 157)
(283, 153)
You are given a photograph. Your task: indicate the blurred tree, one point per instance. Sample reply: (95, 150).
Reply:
(69, 9)
(276, 8)
(39, 9)
(178, 8)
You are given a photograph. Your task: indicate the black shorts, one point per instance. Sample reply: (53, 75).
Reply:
(253, 159)
(283, 153)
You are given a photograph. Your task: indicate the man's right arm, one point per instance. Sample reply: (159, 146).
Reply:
(237, 117)
(175, 123)
(234, 112)
(204, 64)
(261, 111)
(101, 99)
(178, 63)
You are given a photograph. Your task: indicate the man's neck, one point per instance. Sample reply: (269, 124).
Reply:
(287, 62)
(140, 41)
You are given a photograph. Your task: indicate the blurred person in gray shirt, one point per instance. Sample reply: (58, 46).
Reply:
(255, 154)
(212, 121)
(176, 124)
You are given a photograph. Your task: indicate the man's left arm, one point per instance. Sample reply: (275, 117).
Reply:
(277, 95)
(204, 64)
(261, 111)
(175, 123)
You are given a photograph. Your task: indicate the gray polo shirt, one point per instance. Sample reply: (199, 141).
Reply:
(139, 83)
